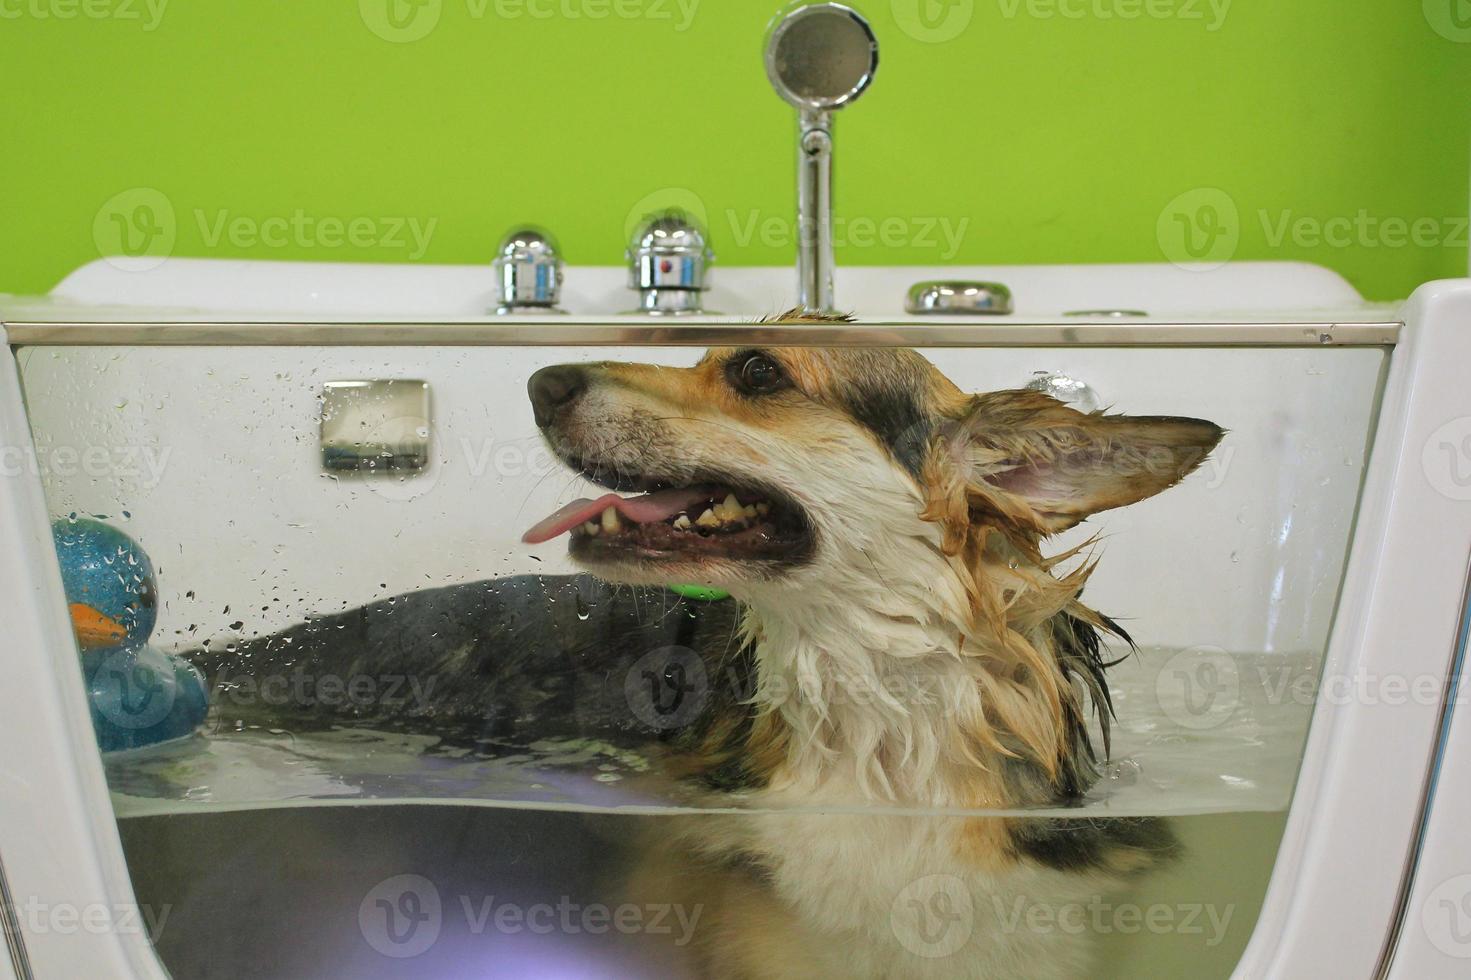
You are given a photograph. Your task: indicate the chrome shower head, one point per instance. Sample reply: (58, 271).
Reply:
(820, 57)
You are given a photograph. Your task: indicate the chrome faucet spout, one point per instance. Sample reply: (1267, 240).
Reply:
(815, 257)
(820, 57)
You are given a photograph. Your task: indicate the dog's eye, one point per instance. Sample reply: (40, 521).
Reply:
(757, 374)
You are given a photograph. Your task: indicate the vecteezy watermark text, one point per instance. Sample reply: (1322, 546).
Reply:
(1203, 687)
(939, 234)
(147, 13)
(403, 917)
(1210, 13)
(302, 688)
(97, 918)
(404, 21)
(138, 228)
(935, 917)
(1203, 227)
(1363, 229)
(302, 230)
(143, 464)
(1099, 917)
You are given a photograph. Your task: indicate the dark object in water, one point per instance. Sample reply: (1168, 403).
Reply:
(502, 662)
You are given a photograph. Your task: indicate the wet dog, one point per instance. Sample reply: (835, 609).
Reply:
(908, 644)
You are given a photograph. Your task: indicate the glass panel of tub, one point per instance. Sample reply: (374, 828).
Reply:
(1024, 642)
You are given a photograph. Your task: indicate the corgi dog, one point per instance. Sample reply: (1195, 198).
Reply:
(913, 654)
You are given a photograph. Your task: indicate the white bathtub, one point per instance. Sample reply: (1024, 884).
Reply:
(1331, 529)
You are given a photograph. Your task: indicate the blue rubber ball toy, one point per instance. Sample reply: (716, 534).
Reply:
(139, 695)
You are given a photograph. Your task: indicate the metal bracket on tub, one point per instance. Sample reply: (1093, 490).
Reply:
(375, 426)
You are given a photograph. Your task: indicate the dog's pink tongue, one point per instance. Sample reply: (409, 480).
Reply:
(647, 509)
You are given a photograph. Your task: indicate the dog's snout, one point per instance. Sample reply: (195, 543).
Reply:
(553, 388)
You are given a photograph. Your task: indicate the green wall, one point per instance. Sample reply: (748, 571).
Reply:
(1000, 131)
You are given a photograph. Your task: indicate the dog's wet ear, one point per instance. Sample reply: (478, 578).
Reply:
(1034, 461)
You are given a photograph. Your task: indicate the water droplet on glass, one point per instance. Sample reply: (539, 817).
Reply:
(1125, 772)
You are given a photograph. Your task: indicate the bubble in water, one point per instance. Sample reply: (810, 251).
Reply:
(1125, 772)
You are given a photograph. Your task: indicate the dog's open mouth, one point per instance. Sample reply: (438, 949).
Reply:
(709, 518)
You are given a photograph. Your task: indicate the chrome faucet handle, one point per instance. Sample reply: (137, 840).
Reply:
(960, 297)
(528, 272)
(820, 57)
(669, 262)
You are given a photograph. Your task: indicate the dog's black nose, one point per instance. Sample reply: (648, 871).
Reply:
(553, 387)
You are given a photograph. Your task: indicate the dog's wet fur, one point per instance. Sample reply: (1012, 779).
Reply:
(924, 511)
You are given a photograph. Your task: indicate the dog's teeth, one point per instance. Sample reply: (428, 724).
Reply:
(591, 529)
(730, 510)
(750, 511)
(708, 519)
(682, 522)
(611, 523)
(763, 509)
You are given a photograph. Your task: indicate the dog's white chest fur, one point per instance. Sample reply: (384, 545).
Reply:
(886, 893)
